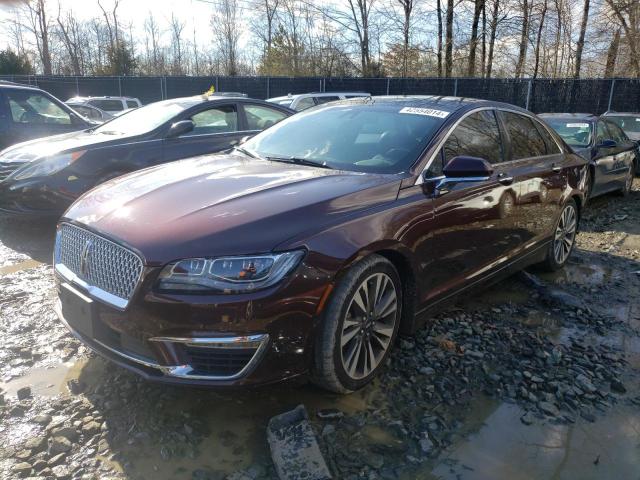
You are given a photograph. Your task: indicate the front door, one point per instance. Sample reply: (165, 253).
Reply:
(472, 228)
(215, 129)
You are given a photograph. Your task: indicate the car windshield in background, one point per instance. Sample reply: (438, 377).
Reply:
(143, 119)
(628, 123)
(362, 138)
(574, 132)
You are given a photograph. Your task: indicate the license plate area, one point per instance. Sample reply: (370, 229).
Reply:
(78, 310)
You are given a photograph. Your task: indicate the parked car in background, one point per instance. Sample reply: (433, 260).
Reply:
(302, 101)
(44, 177)
(628, 122)
(306, 249)
(612, 156)
(90, 112)
(28, 112)
(111, 105)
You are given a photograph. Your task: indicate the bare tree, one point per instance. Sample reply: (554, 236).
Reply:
(493, 27)
(176, 27)
(39, 26)
(473, 44)
(524, 39)
(612, 55)
(448, 55)
(543, 14)
(226, 27)
(439, 47)
(580, 45)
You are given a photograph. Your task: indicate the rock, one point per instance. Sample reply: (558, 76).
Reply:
(24, 392)
(329, 414)
(57, 459)
(528, 418)
(426, 445)
(16, 411)
(91, 428)
(21, 469)
(427, 371)
(589, 417)
(59, 445)
(42, 419)
(36, 444)
(69, 433)
(617, 386)
(549, 408)
(75, 386)
(585, 384)
(61, 472)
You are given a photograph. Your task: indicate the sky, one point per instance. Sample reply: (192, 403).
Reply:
(193, 12)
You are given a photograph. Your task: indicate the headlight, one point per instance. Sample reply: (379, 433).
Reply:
(47, 165)
(228, 274)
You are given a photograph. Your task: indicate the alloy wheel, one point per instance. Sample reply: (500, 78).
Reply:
(565, 234)
(368, 326)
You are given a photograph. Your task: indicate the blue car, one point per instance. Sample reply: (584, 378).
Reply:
(612, 156)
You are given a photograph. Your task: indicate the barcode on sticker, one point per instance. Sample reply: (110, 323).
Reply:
(430, 112)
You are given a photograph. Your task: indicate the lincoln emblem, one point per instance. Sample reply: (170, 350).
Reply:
(84, 258)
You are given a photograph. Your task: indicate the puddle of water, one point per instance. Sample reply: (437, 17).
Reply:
(587, 275)
(45, 381)
(504, 448)
(20, 266)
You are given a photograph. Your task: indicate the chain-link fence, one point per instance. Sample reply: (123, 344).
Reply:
(539, 95)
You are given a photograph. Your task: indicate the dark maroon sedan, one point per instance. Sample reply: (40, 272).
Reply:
(306, 250)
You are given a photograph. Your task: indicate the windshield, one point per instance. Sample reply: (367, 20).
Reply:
(372, 138)
(628, 123)
(575, 132)
(144, 119)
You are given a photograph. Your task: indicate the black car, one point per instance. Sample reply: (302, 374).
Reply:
(45, 176)
(28, 112)
(611, 154)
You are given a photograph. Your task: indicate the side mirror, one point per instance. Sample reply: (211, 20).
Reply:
(180, 128)
(607, 143)
(467, 167)
(458, 170)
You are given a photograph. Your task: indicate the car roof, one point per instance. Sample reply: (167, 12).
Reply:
(613, 114)
(7, 84)
(198, 99)
(449, 104)
(577, 116)
(293, 96)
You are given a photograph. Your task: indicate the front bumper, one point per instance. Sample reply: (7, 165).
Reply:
(220, 341)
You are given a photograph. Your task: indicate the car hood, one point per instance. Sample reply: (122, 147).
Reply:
(225, 205)
(635, 136)
(584, 152)
(47, 146)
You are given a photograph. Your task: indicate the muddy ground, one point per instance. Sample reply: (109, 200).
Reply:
(539, 377)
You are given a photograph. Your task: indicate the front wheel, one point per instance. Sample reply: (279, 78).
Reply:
(564, 238)
(359, 326)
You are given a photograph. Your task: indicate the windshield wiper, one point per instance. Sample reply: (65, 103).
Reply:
(247, 152)
(299, 161)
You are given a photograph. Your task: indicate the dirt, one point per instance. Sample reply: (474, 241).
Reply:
(518, 382)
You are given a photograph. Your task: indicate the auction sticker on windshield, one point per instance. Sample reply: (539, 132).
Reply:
(430, 112)
(577, 125)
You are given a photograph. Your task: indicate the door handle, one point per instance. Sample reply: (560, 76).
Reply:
(505, 179)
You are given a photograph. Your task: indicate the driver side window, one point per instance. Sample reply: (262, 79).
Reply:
(222, 119)
(35, 108)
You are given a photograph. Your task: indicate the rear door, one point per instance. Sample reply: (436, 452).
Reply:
(217, 128)
(625, 152)
(536, 164)
(474, 228)
(606, 168)
(32, 114)
(257, 117)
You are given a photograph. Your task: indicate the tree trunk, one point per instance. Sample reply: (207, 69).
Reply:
(580, 45)
(439, 8)
(471, 70)
(492, 36)
(448, 60)
(543, 14)
(524, 39)
(612, 54)
(483, 65)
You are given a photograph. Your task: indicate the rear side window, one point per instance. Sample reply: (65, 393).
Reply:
(132, 104)
(552, 146)
(321, 100)
(260, 117)
(108, 105)
(526, 141)
(601, 133)
(477, 135)
(305, 103)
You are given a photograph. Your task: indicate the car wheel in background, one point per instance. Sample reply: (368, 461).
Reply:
(628, 181)
(564, 238)
(359, 326)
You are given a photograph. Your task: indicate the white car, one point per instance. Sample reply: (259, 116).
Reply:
(112, 105)
(303, 101)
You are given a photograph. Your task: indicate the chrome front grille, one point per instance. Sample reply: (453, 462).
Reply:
(109, 271)
(7, 168)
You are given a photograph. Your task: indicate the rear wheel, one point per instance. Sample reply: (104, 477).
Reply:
(564, 238)
(359, 326)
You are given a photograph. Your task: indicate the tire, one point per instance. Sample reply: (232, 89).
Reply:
(564, 235)
(342, 368)
(506, 205)
(628, 181)
(588, 187)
